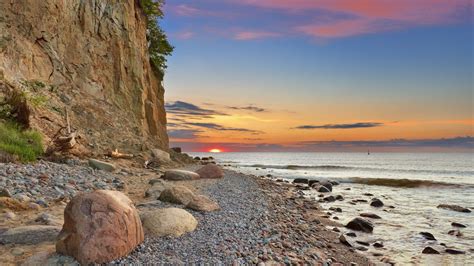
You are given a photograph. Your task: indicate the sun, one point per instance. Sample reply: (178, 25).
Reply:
(215, 150)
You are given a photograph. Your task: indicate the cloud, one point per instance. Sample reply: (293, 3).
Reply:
(248, 108)
(254, 35)
(350, 17)
(184, 35)
(443, 144)
(223, 128)
(421, 11)
(457, 142)
(183, 133)
(186, 10)
(188, 109)
(342, 126)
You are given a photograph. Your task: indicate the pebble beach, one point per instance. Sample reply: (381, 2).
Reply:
(259, 221)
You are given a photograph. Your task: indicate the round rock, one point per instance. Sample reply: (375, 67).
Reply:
(169, 222)
(99, 227)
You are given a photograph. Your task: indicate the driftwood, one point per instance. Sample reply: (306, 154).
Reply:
(63, 142)
(118, 155)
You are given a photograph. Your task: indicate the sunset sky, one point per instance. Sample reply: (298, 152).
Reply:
(320, 75)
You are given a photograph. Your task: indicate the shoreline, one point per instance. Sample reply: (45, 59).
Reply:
(284, 227)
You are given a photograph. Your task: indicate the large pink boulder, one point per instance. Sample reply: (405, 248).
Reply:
(210, 171)
(99, 227)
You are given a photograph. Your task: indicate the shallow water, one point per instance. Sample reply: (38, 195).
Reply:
(414, 183)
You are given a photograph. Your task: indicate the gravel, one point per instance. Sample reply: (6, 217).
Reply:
(232, 235)
(45, 182)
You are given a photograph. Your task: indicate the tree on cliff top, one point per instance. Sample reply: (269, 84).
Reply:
(158, 45)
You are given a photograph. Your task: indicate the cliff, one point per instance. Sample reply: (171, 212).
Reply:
(91, 57)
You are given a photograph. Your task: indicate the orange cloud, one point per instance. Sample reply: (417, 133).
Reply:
(342, 28)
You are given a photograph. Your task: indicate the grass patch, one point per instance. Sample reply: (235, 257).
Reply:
(25, 144)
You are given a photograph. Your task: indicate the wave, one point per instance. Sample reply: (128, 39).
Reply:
(359, 168)
(403, 183)
(300, 167)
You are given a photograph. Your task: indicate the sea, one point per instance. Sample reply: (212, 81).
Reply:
(413, 183)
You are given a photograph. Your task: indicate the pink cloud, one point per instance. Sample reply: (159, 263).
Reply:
(412, 10)
(254, 35)
(369, 16)
(186, 10)
(185, 35)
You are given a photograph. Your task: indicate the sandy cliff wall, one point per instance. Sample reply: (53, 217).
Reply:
(91, 56)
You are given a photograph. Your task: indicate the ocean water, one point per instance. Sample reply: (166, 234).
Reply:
(414, 183)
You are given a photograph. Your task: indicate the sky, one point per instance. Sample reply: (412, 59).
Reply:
(320, 75)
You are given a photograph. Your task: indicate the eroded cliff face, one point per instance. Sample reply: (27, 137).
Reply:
(89, 56)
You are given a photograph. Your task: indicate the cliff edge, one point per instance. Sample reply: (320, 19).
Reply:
(89, 57)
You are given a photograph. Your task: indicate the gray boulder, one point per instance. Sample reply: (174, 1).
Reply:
(100, 165)
(177, 175)
(30, 234)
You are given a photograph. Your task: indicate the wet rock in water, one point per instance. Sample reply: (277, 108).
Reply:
(430, 250)
(100, 165)
(377, 245)
(339, 197)
(351, 234)
(335, 229)
(326, 184)
(455, 233)
(376, 203)
(454, 251)
(359, 201)
(362, 248)
(329, 199)
(180, 175)
(428, 236)
(323, 189)
(197, 158)
(168, 222)
(344, 241)
(334, 183)
(363, 243)
(368, 194)
(30, 234)
(210, 171)
(177, 195)
(312, 182)
(458, 225)
(360, 224)
(454, 208)
(347, 188)
(370, 215)
(300, 181)
(336, 209)
(203, 204)
(99, 227)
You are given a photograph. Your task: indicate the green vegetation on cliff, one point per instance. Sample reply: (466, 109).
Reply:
(158, 45)
(25, 145)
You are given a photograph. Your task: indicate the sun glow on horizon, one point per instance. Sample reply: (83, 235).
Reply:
(215, 150)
